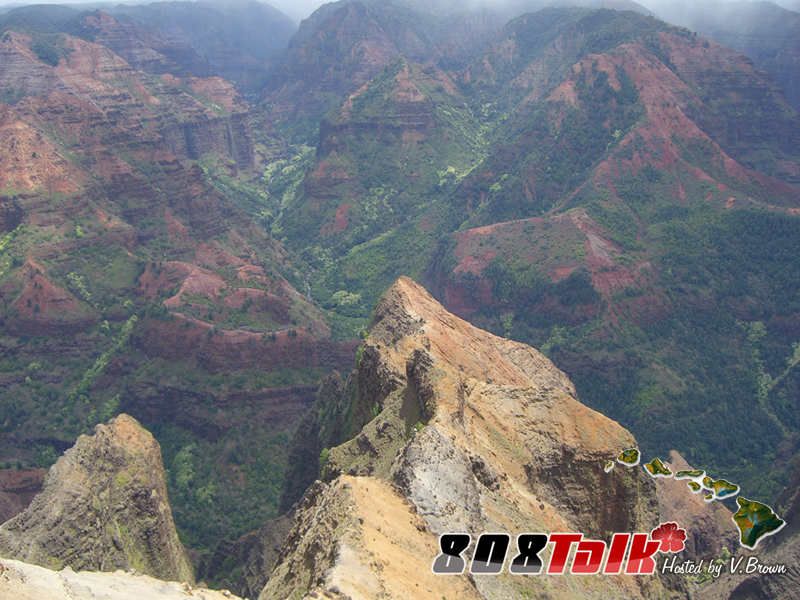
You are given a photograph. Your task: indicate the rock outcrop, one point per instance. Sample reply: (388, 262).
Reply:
(104, 507)
(357, 538)
(455, 429)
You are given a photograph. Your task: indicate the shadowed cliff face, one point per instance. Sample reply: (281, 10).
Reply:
(477, 433)
(104, 507)
(17, 489)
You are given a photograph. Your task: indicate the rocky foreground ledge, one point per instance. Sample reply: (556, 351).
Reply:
(22, 581)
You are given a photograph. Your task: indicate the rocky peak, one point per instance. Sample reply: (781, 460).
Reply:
(476, 433)
(508, 405)
(104, 507)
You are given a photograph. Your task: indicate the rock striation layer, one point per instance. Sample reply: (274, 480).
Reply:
(104, 507)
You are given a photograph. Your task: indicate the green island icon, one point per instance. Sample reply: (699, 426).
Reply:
(755, 522)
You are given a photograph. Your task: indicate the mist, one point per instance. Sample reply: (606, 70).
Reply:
(297, 10)
(300, 9)
(665, 6)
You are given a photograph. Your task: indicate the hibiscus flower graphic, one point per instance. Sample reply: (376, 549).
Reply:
(670, 536)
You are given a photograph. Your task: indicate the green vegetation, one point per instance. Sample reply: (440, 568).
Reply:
(82, 389)
(12, 95)
(552, 149)
(249, 460)
(713, 263)
(517, 283)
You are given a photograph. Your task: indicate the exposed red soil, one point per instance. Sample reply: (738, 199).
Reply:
(238, 297)
(29, 162)
(44, 308)
(339, 222)
(218, 91)
(161, 276)
(524, 240)
(405, 90)
(607, 275)
(563, 273)
(117, 231)
(197, 280)
(599, 256)
(193, 280)
(214, 257)
(666, 98)
(176, 230)
(248, 272)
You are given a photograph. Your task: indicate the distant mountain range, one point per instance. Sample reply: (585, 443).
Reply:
(767, 33)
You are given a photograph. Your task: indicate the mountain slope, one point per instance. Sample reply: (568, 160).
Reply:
(129, 283)
(765, 32)
(628, 163)
(643, 161)
(182, 38)
(345, 45)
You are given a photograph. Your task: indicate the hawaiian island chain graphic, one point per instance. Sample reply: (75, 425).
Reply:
(754, 520)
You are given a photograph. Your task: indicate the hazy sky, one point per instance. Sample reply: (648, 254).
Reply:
(300, 9)
(296, 9)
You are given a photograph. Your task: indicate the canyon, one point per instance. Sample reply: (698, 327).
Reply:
(314, 264)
